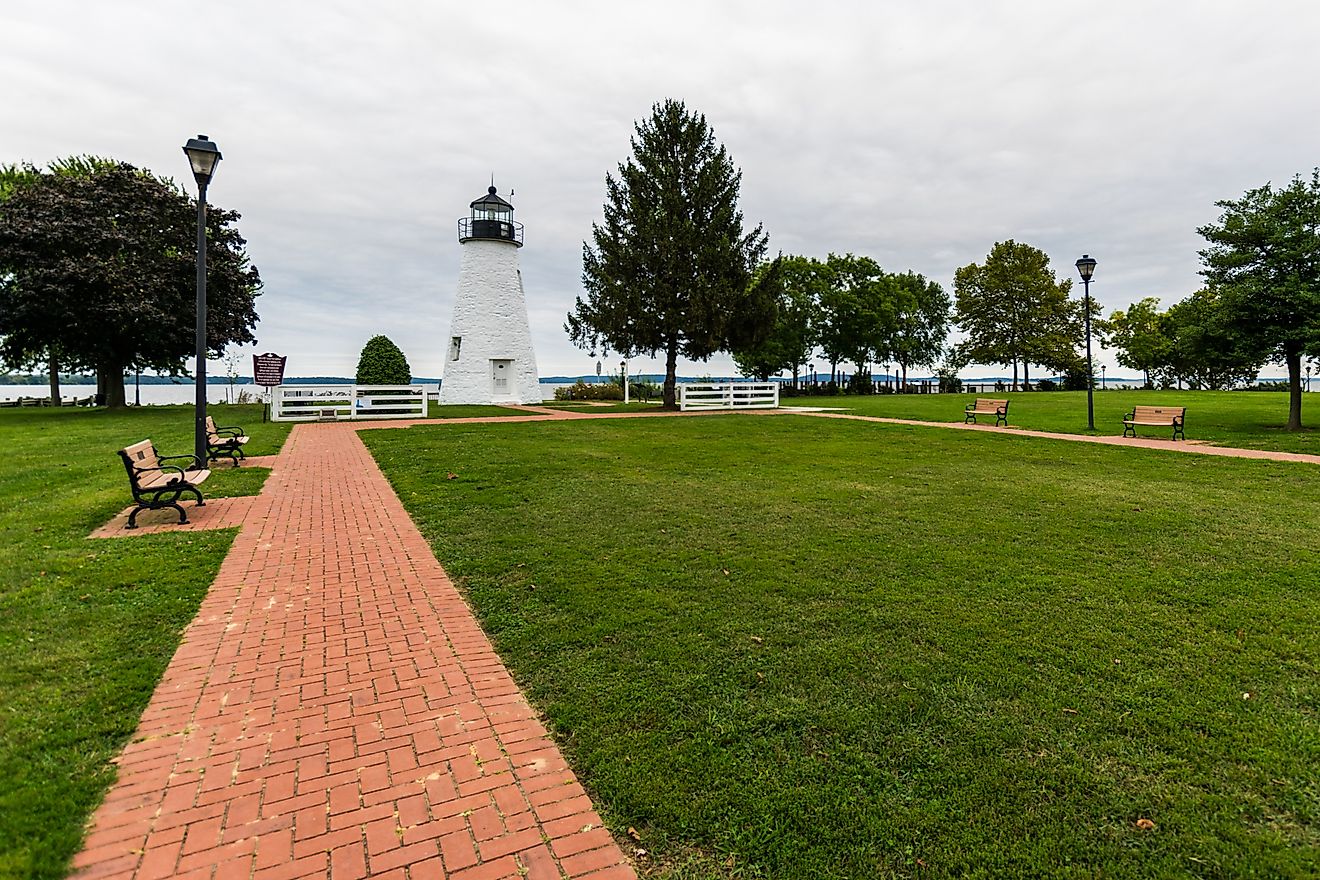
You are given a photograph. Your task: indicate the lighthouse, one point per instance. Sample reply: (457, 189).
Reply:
(489, 357)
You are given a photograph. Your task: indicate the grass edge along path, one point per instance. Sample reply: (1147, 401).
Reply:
(1030, 711)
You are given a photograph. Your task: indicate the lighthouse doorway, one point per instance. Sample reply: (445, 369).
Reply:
(500, 371)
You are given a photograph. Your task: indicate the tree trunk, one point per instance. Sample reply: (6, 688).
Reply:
(1013, 387)
(111, 378)
(1294, 361)
(671, 374)
(54, 380)
(795, 376)
(904, 368)
(1026, 376)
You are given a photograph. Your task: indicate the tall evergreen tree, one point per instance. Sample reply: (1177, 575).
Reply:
(1263, 259)
(669, 269)
(1015, 312)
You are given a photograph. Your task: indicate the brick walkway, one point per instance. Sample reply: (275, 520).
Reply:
(334, 710)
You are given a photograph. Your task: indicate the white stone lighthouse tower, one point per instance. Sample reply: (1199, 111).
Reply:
(489, 358)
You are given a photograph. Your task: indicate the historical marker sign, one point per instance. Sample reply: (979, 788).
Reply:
(268, 369)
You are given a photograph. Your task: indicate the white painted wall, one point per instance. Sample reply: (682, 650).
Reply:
(490, 315)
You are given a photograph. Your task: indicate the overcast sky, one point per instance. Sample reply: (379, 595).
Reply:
(355, 134)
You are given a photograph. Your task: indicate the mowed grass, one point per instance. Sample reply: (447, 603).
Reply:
(88, 626)
(469, 411)
(1248, 419)
(798, 648)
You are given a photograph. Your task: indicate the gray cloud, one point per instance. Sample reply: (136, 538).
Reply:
(355, 136)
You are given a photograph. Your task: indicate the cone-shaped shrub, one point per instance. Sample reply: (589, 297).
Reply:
(382, 363)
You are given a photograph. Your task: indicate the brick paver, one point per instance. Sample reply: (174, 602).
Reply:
(334, 710)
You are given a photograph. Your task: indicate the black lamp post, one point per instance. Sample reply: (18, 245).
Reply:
(203, 156)
(1086, 266)
(1103, 368)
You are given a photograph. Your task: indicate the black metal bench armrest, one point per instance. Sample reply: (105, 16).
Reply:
(1127, 417)
(969, 407)
(163, 468)
(232, 430)
(197, 462)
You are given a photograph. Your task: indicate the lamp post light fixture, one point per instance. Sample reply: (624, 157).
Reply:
(203, 155)
(1086, 266)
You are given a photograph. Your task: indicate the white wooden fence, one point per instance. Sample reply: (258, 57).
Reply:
(728, 395)
(328, 403)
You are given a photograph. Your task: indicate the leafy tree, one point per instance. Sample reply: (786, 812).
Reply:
(858, 313)
(670, 266)
(16, 176)
(1263, 258)
(1014, 311)
(101, 268)
(922, 321)
(793, 336)
(1139, 336)
(1207, 348)
(382, 363)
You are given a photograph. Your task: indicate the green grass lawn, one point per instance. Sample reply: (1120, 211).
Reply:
(88, 626)
(1253, 420)
(468, 411)
(603, 406)
(798, 648)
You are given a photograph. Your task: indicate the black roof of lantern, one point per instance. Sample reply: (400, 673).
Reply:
(490, 201)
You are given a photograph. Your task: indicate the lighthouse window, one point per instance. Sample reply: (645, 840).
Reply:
(455, 344)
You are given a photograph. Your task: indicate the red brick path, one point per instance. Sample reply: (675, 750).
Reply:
(335, 711)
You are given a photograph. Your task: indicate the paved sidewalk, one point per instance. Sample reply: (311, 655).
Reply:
(334, 710)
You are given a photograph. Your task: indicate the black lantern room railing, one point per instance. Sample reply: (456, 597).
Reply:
(470, 228)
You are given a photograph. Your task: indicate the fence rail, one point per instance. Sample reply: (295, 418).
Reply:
(728, 395)
(328, 403)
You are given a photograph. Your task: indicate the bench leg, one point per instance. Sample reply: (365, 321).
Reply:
(1001, 420)
(969, 418)
(1178, 432)
(132, 517)
(195, 491)
(1129, 430)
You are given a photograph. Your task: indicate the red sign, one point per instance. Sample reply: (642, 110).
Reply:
(268, 369)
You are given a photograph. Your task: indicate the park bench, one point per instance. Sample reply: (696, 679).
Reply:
(986, 406)
(158, 485)
(1158, 416)
(222, 442)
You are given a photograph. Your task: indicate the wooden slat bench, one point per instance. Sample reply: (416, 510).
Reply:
(1157, 416)
(222, 442)
(986, 406)
(157, 485)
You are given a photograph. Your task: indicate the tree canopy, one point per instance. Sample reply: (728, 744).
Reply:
(922, 322)
(382, 363)
(100, 266)
(670, 268)
(1136, 333)
(1263, 259)
(1014, 311)
(792, 338)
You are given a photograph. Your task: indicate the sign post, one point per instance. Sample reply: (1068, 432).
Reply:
(268, 371)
